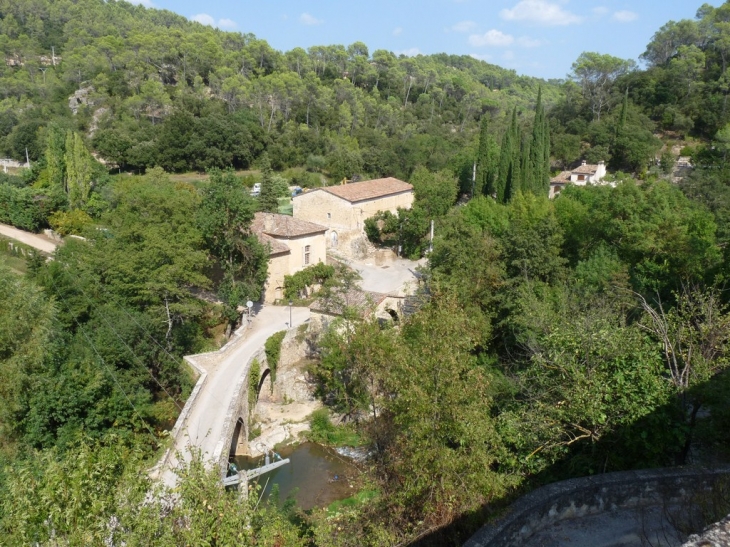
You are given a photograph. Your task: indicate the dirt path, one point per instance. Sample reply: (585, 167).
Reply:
(42, 243)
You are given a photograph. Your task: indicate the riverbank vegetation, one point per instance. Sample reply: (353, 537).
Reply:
(552, 338)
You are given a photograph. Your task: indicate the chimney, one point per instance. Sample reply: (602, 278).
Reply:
(582, 163)
(600, 162)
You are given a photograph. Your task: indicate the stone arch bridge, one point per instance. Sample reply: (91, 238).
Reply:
(214, 420)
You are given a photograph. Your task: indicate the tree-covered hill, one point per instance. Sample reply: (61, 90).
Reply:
(159, 90)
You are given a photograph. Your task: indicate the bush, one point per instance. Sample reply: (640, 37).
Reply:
(296, 286)
(71, 222)
(687, 151)
(273, 351)
(26, 208)
(323, 431)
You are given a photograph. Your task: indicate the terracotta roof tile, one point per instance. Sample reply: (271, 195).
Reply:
(276, 225)
(587, 169)
(369, 189)
(563, 177)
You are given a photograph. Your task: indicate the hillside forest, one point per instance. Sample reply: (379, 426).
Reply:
(554, 338)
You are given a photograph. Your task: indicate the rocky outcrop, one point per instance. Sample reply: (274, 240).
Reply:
(80, 98)
(717, 535)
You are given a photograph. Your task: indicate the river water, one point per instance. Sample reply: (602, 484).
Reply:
(315, 477)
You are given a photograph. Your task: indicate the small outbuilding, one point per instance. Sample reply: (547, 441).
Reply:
(293, 245)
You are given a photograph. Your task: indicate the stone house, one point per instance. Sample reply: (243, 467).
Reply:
(293, 245)
(344, 208)
(580, 176)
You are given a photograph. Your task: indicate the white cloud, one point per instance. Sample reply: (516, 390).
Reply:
(526, 41)
(308, 19)
(410, 52)
(397, 31)
(205, 19)
(227, 23)
(145, 3)
(463, 26)
(600, 11)
(540, 12)
(481, 56)
(492, 37)
(625, 16)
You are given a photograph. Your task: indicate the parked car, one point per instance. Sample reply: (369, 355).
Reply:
(296, 191)
(256, 190)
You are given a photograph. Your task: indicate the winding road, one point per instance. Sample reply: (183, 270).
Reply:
(203, 427)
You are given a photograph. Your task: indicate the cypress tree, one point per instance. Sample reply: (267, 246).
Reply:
(505, 159)
(526, 171)
(545, 178)
(268, 201)
(539, 164)
(485, 182)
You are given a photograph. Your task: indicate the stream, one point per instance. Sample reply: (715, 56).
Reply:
(315, 477)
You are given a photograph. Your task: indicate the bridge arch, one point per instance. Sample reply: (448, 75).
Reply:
(239, 420)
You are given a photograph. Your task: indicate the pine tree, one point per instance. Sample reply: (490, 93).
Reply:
(268, 201)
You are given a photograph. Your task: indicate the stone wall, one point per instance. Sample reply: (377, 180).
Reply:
(593, 495)
(292, 383)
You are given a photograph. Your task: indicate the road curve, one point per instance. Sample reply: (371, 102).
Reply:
(32, 240)
(203, 427)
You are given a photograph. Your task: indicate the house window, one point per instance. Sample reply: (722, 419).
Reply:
(329, 216)
(581, 177)
(306, 254)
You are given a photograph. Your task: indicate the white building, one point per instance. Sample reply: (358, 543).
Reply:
(580, 176)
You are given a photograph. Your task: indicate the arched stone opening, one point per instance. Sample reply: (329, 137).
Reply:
(239, 442)
(261, 392)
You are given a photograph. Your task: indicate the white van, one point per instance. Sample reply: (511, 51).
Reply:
(256, 190)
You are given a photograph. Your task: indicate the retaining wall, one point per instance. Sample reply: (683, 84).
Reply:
(593, 495)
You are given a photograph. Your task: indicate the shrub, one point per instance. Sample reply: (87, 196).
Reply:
(26, 208)
(273, 351)
(295, 286)
(323, 431)
(71, 222)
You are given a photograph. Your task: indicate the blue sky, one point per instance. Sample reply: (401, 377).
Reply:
(534, 37)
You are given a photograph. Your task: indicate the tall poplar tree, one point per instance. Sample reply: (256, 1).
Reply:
(55, 157)
(79, 171)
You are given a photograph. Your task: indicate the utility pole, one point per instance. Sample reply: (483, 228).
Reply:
(473, 179)
(430, 246)
(27, 159)
(53, 55)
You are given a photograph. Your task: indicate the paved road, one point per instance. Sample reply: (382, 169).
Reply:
(36, 241)
(393, 277)
(203, 428)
